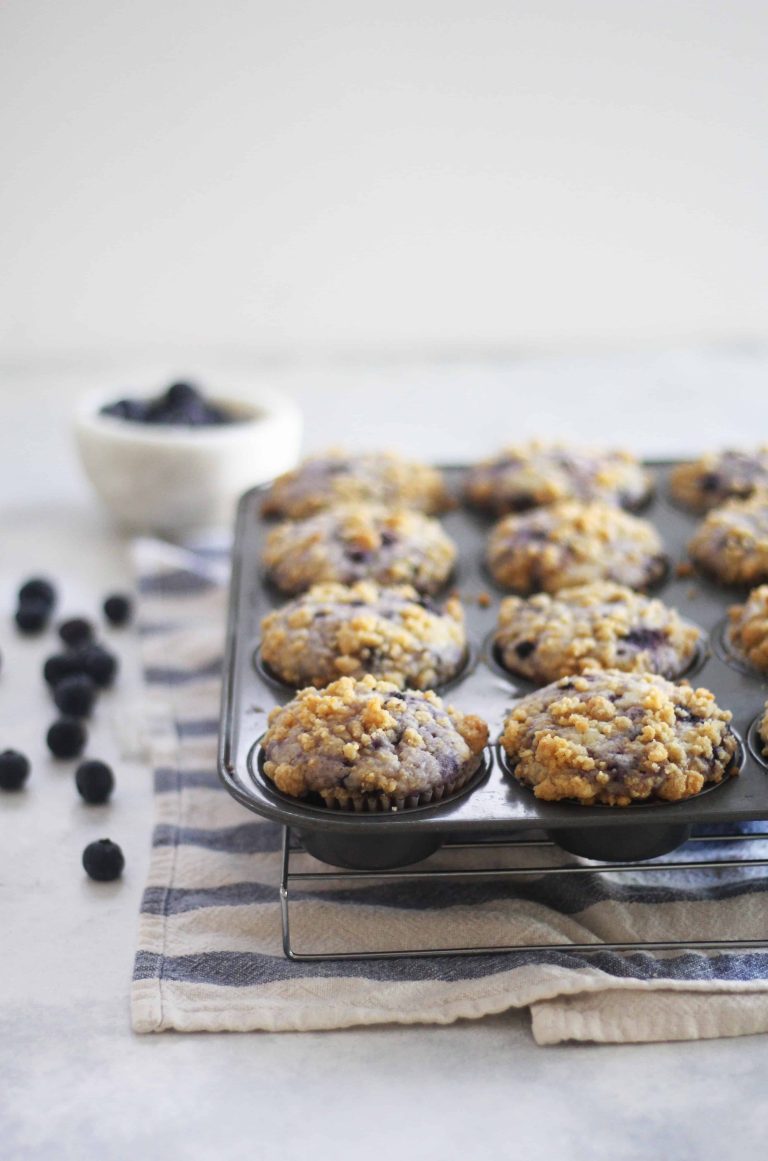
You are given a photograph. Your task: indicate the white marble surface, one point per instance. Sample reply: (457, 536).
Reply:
(74, 1081)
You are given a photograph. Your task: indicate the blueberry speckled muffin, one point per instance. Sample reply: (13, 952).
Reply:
(365, 745)
(747, 631)
(731, 543)
(336, 478)
(356, 542)
(571, 544)
(718, 477)
(337, 631)
(762, 730)
(534, 474)
(616, 738)
(595, 626)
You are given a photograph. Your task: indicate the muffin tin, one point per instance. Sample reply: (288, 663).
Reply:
(493, 806)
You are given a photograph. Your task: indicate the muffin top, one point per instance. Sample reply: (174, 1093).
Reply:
(529, 475)
(349, 630)
(615, 738)
(748, 628)
(367, 738)
(731, 543)
(594, 626)
(335, 478)
(572, 543)
(358, 541)
(719, 476)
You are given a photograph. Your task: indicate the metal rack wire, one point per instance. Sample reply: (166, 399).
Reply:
(292, 847)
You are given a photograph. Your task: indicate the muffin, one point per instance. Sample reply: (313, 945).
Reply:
(617, 738)
(594, 626)
(731, 543)
(367, 746)
(762, 731)
(717, 477)
(337, 631)
(747, 631)
(571, 544)
(375, 478)
(530, 475)
(356, 542)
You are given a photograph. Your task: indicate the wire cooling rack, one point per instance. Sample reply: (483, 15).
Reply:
(292, 847)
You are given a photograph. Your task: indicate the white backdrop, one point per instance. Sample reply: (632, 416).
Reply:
(284, 176)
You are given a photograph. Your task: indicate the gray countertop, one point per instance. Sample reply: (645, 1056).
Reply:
(76, 1082)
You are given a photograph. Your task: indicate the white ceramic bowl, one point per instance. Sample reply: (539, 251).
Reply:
(170, 479)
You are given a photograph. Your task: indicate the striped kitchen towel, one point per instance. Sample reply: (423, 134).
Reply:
(210, 954)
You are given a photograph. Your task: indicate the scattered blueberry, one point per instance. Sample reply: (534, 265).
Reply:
(14, 770)
(103, 860)
(98, 663)
(524, 649)
(76, 632)
(32, 616)
(94, 780)
(60, 665)
(75, 695)
(39, 589)
(118, 609)
(66, 738)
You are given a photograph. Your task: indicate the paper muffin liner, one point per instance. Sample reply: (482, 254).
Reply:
(379, 803)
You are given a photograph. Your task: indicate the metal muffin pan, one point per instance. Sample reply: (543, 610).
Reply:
(493, 805)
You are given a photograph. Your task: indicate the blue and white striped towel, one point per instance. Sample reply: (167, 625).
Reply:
(210, 955)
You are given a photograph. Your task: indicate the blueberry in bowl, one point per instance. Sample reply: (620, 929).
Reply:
(182, 405)
(175, 459)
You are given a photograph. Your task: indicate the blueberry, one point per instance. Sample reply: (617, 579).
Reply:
(14, 770)
(94, 781)
(32, 615)
(98, 663)
(103, 860)
(181, 394)
(60, 665)
(217, 414)
(644, 638)
(524, 649)
(66, 738)
(76, 632)
(134, 410)
(118, 609)
(75, 695)
(357, 555)
(39, 589)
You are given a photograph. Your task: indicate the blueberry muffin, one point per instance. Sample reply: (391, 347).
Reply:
(530, 475)
(367, 746)
(375, 478)
(571, 544)
(616, 738)
(747, 631)
(762, 730)
(719, 476)
(357, 542)
(594, 626)
(337, 631)
(731, 543)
